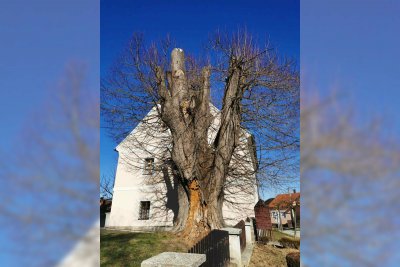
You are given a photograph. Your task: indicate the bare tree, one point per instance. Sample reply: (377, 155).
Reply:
(107, 185)
(259, 98)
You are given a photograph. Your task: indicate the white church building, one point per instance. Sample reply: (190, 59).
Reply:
(145, 189)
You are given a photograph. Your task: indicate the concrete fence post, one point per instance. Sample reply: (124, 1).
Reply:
(253, 230)
(248, 228)
(234, 246)
(175, 259)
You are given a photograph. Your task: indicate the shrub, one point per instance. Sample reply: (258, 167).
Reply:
(263, 239)
(293, 259)
(288, 242)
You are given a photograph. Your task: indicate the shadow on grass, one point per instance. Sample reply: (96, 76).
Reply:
(119, 236)
(130, 249)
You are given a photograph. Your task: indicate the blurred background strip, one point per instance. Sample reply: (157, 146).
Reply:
(350, 132)
(49, 145)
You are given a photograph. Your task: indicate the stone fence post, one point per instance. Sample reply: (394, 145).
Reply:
(249, 233)
(234, 246)
(175, 259)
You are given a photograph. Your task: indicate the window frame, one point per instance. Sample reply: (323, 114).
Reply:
(148, 169)
(275, 214)
(144, 210)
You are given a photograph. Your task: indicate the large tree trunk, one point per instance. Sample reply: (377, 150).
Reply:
(201, 167)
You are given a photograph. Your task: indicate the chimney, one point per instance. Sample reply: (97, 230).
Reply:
(294, 191)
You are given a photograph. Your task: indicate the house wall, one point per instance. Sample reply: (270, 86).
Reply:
(132, 186)
(263, 217)
(240, 193)
(129, 190)
(285, 217)
(238, 206)
(106, 223)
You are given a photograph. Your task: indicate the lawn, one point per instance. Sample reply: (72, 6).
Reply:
(121, 248)
(276, 235)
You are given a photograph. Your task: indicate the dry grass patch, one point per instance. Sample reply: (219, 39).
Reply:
(267, 255)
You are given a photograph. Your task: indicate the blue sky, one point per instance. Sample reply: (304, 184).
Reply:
(38, 39)
(190, 23)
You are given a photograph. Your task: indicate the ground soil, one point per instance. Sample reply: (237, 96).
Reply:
(267, 255)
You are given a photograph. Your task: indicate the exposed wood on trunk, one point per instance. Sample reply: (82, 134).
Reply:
(187, 114)
(196, 224)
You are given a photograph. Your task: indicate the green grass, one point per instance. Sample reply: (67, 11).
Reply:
(285, 239)
(120, 248)
(276, 235)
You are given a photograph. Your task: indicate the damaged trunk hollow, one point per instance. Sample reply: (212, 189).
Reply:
(196, 225)
(201, 218)
(201, 167)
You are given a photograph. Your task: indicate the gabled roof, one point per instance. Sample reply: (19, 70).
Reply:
(153, 110)
(268, 201)
(260, 203)
(214, 112)
(284, 200)
(264, 203)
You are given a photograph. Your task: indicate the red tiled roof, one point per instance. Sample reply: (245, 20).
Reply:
(284, 200)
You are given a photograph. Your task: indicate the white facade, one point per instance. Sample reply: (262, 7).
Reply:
(133, 184)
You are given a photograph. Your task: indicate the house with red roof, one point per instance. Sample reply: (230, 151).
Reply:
(285, 210)
(281, 211)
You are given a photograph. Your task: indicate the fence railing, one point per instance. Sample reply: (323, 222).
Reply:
(216, 247)
(242, 225)
(264, 235)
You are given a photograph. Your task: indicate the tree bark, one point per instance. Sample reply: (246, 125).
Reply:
(183, 209)
(202, 167)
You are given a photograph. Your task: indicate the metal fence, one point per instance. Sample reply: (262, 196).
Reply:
(216, 247)
(242, 225)
(264, 235)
